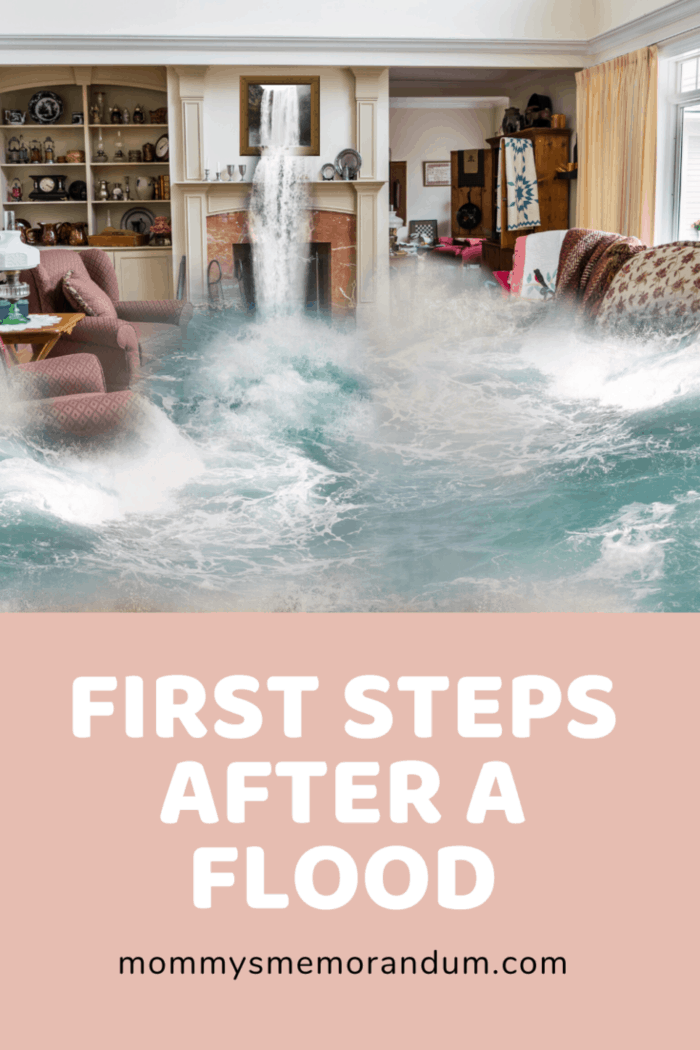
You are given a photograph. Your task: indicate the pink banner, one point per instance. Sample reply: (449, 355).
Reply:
(238, 804)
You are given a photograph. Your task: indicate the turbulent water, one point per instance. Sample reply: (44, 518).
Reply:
(455, 460)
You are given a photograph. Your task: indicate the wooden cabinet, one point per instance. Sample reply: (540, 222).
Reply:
(551, 146)
(144, 273)
(483, 196)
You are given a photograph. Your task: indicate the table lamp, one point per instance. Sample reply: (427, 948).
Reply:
(15, 256)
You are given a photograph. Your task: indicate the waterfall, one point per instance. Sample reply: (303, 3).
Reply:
(277, 215)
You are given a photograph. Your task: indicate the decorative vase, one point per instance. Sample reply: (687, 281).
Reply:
(48, 233)
(78, 234)
(103, 191)
(144, 188)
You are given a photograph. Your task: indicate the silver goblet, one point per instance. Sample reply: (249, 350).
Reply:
(242, 168)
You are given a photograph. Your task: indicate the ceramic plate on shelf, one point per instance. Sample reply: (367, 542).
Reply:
(138, 220)
(348, 158)
(45, 107)
(328, 172)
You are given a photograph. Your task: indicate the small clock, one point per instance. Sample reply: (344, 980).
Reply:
(48, 188)
(163, 148)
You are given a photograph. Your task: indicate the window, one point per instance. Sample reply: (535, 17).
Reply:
(688, 75)
(686, 102)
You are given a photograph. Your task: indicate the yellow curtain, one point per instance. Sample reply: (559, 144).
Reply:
(616, 118)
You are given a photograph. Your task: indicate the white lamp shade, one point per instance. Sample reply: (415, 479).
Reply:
(15, 254)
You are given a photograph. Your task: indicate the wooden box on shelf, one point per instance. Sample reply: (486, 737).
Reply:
(128, 239)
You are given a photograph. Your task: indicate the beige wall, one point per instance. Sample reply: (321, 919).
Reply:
(416, 135)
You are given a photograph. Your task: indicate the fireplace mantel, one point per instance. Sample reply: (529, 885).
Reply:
(338, 195)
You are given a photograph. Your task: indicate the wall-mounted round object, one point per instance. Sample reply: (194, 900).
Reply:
(468, 216)
(328, 172)
(350, 159)
(45, 107)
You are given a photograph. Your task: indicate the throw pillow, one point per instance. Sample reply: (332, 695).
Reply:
(86, 296)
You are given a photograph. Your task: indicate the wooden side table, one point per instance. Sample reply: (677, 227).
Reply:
(42, 340)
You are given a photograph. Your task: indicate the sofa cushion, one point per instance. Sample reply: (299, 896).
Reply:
(84, 295)
(657, 290)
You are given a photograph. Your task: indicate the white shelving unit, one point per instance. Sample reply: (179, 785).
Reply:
(144, 272)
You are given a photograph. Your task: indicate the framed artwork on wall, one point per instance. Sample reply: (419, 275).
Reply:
(306, 104)
(437, 173)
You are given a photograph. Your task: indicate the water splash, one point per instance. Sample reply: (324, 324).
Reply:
(278, 219)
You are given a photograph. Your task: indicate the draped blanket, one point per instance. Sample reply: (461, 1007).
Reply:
(522, 198)
(588, 264)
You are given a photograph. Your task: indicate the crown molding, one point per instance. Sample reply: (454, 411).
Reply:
(448, 102)
(663, 24)
(288, 43)
(184, 46)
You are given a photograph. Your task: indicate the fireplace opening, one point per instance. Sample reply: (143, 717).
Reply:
(317, 282)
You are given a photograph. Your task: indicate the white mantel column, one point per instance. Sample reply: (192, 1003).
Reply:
(189, 193)
(372, 143)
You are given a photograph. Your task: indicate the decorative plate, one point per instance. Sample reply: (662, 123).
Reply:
(45, 107)
(77, 191)
(328, 172)
(138, 220)
(348, 158)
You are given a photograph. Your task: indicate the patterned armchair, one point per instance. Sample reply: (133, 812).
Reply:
(155, 311)
(114, 340)
(65, 398)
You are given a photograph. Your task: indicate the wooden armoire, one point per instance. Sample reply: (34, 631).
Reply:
(551, 152)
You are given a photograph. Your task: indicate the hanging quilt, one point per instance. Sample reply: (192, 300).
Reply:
(522, 198)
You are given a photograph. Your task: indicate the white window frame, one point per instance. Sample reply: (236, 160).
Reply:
(669, 139)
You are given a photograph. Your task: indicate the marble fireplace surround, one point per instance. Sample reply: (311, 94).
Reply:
(352, 216)
(227, 224)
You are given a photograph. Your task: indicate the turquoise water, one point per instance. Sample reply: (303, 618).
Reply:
(456, 459)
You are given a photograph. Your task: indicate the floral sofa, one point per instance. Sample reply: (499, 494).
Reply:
(620, 285)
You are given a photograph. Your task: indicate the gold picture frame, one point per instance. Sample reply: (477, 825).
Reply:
(250, 91)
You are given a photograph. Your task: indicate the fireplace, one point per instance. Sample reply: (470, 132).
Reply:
(317, 280)
(330, 275)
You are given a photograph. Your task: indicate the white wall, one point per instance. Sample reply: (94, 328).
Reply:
(492, 19)
(222, 119)
(416, 135)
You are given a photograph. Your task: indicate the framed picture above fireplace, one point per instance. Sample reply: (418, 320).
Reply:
(290, 99)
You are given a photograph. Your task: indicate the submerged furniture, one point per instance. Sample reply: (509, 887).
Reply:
(44, 338)
(112, 334)
(656, 291)
(65, 398)
(468, 249)
(174, 312)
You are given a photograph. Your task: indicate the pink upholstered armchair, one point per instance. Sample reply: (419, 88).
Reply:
(65, 397)
(154, 311)
(113, 336)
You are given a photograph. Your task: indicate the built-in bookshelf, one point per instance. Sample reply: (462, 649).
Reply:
(66, 136)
